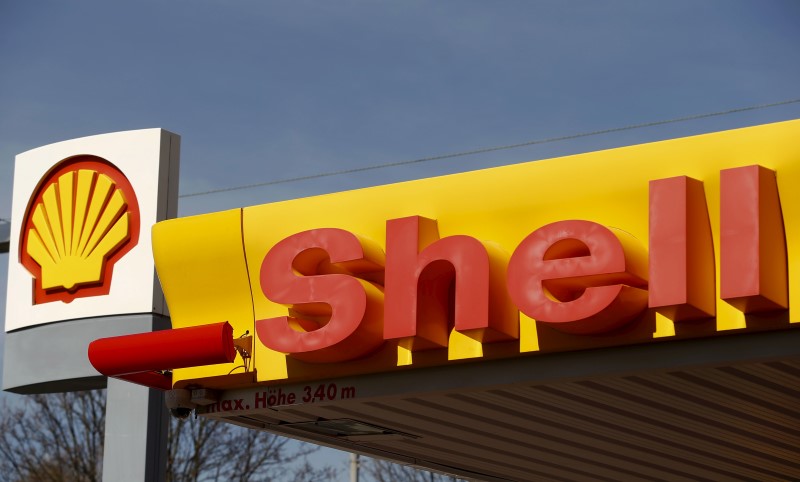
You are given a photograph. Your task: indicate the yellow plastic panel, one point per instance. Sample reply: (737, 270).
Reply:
(201, 266)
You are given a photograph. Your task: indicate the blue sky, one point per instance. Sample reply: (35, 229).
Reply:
(263, 91)
(270, 90)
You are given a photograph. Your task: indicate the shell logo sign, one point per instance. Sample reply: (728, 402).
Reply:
(80, 263)
(81, 219)
(80, 241)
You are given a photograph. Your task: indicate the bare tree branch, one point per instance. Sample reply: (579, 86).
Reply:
(377, 470)
(59, 437)
(54, 438)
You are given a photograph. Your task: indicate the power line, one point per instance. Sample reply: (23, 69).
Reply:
(491, 149)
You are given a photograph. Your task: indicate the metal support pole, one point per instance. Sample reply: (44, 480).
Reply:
(354, 466)
(135, 448)
(5, 235)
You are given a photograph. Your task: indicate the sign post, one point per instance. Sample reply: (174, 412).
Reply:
(80, 266)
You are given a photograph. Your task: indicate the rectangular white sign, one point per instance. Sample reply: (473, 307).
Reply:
(82, 212)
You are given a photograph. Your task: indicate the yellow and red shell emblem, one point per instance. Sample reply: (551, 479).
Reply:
(82, 218)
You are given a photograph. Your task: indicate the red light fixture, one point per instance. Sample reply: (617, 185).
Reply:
(145, 358)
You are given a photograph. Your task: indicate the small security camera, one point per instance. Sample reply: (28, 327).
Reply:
(180, 413)
(179, 402)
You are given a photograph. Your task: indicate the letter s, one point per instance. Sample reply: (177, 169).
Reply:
(333, 316)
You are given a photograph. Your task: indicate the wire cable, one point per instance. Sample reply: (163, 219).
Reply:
(491, 149)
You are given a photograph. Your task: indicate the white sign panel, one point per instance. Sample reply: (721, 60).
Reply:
(80, 226)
